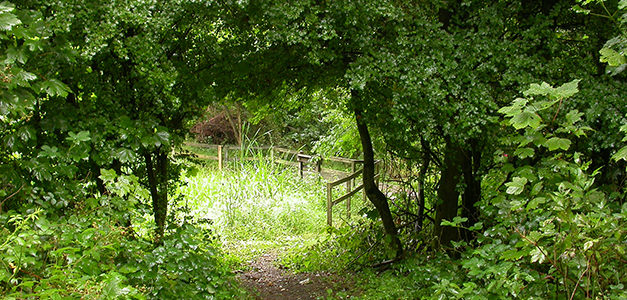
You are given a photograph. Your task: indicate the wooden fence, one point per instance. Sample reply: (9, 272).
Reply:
(304, 163)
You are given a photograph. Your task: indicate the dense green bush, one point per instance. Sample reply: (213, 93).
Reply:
(547, 230)
(90, 252)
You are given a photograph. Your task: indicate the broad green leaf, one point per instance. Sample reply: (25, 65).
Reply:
(47, 151)
(8, 20)
(555, 143)
(77, 138)
(573, 117)
(516, 186)
(620, 154)
(163, 136)
(524, 152)
(514, 254)
(54, 87)
(515, 108)
(622, 4)
(22, 78)
(6, 7)
(525, 119)
(612, 57)
(538, 89)
(125, 154)
(533, 204)
(566, 90)
(15, 55)
(107, 175)
(537, 255)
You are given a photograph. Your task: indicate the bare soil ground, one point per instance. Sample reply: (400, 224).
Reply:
(266, 280)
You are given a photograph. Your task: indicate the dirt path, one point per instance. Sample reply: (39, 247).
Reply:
(265, 280)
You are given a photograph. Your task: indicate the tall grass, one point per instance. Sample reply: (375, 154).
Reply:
(256, 200)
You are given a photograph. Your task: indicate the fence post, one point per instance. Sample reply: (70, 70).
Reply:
(220, 157)
(329, 204)
(349, 188)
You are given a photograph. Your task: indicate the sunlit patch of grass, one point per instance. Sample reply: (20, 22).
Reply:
(257, 201)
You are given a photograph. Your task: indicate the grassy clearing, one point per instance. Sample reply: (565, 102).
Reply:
(259, 205)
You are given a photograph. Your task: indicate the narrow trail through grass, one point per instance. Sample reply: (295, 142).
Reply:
(261, 211)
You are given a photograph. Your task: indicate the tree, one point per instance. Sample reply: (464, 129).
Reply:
(127, 65)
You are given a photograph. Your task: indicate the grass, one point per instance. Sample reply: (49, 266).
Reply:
(260, 202)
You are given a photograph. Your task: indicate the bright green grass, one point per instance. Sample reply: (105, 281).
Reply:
(257, 201)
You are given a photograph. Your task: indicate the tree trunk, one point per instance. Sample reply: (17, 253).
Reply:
(448, 195)
(371, 189)
(472, 189)
(421, 191)
(158, 185)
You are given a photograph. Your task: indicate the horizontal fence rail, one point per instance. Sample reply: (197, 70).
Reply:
(350, 192)
(304, 163)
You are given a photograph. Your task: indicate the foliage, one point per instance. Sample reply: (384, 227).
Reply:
(91, 254)
(614, 52)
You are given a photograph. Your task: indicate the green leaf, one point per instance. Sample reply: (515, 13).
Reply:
(47, 151)
(533, 204)
(622, 4)
(620, 154)
(6, 7)
(108, 175)
(22, 78)
(515, 108)
(611, 57)
(525, 119)
(77, 138)
(566, 90)
(125, 155)
(524, 152)
(537, 255)
(54, 87)
(15, 55)
(516, 186)
(573, 117)
(455, 222)
(8, 20)
(514, 254)
(555, 143)
(538, 89)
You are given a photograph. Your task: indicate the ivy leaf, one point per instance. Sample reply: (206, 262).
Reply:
(516, 186)
(8, 20)
(525, 119)
(555, 143)
(566, 90)
(455, 223)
